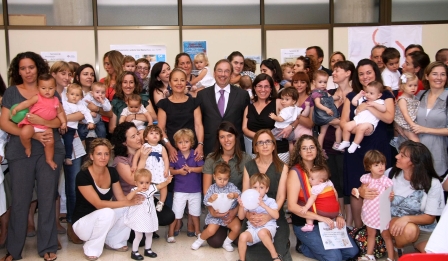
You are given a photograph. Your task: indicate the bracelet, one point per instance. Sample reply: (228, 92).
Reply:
(201, 143)
(135, 116)
(292, 126)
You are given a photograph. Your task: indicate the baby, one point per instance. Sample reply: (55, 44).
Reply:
(319, 179)
(134, 108)
(289, 113)
(364, 123)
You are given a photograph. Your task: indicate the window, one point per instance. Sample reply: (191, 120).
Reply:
(419, 10)
(137, 12)
(297, 11)
(221, 12)
(359, 11)
(50, 12)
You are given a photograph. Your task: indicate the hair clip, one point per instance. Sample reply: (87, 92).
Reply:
(403, 78)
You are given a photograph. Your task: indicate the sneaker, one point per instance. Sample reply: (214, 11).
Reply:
(228, 247)
(307, 228)
(197, 244)
(159, 206)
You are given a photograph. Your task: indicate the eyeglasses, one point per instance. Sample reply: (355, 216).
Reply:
(310, 148)
(265, 142)
(142, 68)
(263, 87)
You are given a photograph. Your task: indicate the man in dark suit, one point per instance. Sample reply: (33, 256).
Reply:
(316, 53)
(221, 102)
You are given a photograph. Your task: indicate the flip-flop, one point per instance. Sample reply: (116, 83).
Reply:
(49, 256)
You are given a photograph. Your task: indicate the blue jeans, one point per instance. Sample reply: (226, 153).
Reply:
(100, 130)
(68, 142)
(313, 247)
(70, 172)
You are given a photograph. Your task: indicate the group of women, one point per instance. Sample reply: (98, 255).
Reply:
(173, 106)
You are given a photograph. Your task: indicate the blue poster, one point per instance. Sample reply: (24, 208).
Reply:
(195, 47)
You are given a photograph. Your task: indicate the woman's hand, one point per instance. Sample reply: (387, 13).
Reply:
(327, 221)
(398, 226)
(144, 153)
(137, 200)
(367, 193)
(216, 214)
(340, 222)
(44, 137)
(285, 132)
(199, 153)
(91, 106)
(35, 119)
(362, 107)
(231, 214)
(172, 153)
(258, 219)
(417, 129)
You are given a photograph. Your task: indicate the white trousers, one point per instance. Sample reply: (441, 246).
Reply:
(103, 226)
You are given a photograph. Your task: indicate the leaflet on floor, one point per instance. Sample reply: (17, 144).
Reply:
(334, 238)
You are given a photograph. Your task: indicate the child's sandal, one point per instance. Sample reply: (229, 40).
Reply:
(366, 258)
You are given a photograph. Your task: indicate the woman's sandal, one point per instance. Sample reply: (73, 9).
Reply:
(91, 258)
(49, 258)
(176, 233)
(120, 249)
(7, 257)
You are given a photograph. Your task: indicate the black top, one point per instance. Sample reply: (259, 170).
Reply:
(178, 116)
(84, 178)
(256, 122)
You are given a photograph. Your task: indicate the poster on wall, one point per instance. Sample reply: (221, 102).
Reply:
(291, 55)
(153, 53)
(60, 56)
(362, 39)
(193, 48)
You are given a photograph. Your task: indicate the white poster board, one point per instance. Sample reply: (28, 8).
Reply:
(153, 53)
(362, 39)
(60, 56)
(334, 238)
(291, 55)
(385, 215)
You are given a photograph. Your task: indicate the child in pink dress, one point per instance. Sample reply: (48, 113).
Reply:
(46, 106)
(375, 162)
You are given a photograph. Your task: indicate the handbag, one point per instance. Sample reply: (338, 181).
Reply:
(360, 237)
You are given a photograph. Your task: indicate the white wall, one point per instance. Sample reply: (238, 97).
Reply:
(3, 67)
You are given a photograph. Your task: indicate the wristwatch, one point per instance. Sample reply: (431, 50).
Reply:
(340, 215)
(201, 143)
(291, 126)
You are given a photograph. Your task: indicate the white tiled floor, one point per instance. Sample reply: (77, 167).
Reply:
(177, 251)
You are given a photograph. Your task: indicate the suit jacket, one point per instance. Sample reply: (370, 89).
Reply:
(211, 118)
(330, 72)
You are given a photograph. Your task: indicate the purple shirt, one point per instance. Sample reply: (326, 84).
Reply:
(190, 183)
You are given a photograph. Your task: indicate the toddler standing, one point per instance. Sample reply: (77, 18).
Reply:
(266, 233)
(143, 218)
(187, 186)
(375, 162)
(46, 106)
(157, 162)
(222, 185)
